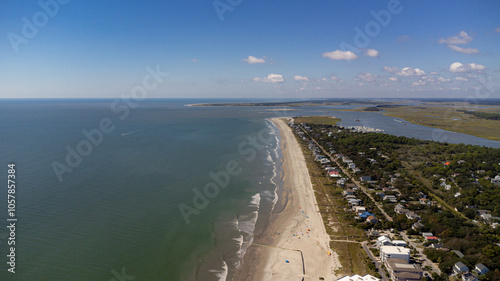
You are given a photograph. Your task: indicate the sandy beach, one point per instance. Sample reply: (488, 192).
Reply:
(295, 240)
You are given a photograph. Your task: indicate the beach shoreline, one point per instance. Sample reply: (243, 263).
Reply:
(295, 244)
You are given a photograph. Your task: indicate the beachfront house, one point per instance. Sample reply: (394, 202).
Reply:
(356, 277)
(394, 252)
(399, 243)
(400, 270)
(384, 241)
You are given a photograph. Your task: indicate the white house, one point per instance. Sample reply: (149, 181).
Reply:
(459, 267)
(384, 241)
(394, 252)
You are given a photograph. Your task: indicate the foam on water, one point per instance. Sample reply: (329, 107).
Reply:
(221, 273)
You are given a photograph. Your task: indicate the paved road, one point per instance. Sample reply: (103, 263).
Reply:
(378, 264)
(423, 257)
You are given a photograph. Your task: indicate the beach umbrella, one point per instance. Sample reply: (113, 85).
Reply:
(287, 261)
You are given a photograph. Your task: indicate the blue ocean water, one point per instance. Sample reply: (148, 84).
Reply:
(161, 191)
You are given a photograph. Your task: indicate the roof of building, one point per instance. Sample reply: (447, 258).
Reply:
(400, 265)
(395, 250)
(460, 264)
(356, 277)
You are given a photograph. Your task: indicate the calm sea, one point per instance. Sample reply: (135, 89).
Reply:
(161, 191)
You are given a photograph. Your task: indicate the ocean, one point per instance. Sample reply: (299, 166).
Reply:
(159, 191)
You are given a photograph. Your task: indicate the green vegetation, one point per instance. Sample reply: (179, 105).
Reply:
(453, 178)
(372, 108)
(483, 115)
(477, 123)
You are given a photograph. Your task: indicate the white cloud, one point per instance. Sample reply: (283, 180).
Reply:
(497, 29)
(366, 76)
(340, 55)
(463, 50)
(324, 79)
(462, 38)
(461, 79)
(441, 79)
(405, 71)
(333, 77)
(194, 60)
(393, 79)
(298, 77)
(457, 67)
(419, 83)
(271, 78)
(252, 60)
(371, 53)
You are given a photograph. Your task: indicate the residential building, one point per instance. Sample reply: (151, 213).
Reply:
(394, 252)
(481, 269)
(401, 270)
(384, 241)
(356, 277)
(371, 219)
(459, 267)
(399, 243)
(469, 277)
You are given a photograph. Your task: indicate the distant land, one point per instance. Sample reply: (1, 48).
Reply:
(479, 117)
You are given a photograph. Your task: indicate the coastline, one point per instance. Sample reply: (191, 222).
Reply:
(286, 237)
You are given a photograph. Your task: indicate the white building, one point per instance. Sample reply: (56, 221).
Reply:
(356, 277)
(394, 252)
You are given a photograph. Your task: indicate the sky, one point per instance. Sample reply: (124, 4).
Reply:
(249, 49)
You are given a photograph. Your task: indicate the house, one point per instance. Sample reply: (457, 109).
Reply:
(437, 246)
(356, 277)
(431, 238)
(399, 243)
(486, 217)
(400, 270)
(417, 225)
(469, 277)
(356, 170)
(459, 267)
(394, 252)
(496, 180)
(427, 234)
(399, 209)
(384, 241)
(391, 198)
(425, 201)
(351, 165)
(348, 192)
(365, 178)
(365, 215)
(359, 209)
(334, 174)
(412, 215)
(481, 269)
(458, 253)
(371, 219)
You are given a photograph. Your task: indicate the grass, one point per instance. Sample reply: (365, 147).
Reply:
(449, 118)
(317, 120)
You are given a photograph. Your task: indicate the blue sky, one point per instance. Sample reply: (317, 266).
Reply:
(244, 49)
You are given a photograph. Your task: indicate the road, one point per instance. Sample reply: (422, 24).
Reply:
(423, 257)
(378, 264)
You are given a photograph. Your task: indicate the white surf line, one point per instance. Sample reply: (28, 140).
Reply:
(133, 132)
